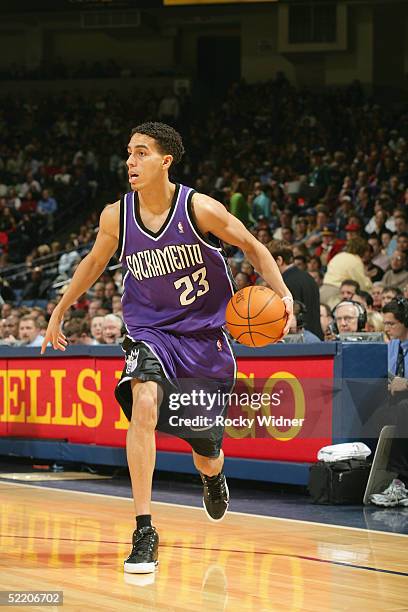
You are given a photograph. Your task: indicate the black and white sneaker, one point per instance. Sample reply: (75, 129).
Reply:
(143, 558)
(216, 496)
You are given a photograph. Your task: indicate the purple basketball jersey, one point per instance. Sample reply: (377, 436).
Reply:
(175, 279)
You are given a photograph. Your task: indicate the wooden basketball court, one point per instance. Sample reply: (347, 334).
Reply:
(76, 542)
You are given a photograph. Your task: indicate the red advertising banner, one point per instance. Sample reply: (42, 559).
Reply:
(72, 399)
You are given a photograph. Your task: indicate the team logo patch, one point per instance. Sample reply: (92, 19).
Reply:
(219, 345)
(131, 361)
(180, 227)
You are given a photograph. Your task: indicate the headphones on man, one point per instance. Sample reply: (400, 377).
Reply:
(361, 315)
(403, 307)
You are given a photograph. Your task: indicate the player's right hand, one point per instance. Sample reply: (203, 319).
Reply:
(54, 334)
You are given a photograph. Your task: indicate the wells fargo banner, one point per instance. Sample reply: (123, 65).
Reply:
(72, 399)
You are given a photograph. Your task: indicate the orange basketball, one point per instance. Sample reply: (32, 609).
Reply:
(256, 316)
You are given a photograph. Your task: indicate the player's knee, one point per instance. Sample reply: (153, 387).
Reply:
(144, 413)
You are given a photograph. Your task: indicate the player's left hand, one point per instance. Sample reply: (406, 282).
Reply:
(289, 312)
(397, 385)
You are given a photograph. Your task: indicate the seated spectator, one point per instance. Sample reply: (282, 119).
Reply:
(330, 245)
(386, 237)
(242, 280)
(238, 205)
(375, 322)
(247, 268)
(365, 299)
(375, 273)
(376, 294)
(261, 204)
(96, 329)
(117, 305)
(317, 277)
(300, 262)
(348, 317)
(348, 289)
(297, 325)
(390, 293)
(10, 329)
(94, 307)
(379, 258)
(77, 331)
(47, 206)
(398, 274)
(110, 290)
(326, 318)
(346, 265)
(29, 331)
(112, 329)
(98, 291)
(68, 259)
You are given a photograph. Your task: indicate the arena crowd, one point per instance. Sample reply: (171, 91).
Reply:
(328, 198)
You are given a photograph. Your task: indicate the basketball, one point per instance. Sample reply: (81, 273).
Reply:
(256, 316)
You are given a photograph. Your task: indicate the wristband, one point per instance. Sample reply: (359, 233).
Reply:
(287, 297)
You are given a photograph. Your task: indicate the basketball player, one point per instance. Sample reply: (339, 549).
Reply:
(176, 288)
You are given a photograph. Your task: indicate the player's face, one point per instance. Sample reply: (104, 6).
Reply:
(146, 163)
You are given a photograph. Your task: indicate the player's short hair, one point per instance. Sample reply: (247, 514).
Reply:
(167, 138)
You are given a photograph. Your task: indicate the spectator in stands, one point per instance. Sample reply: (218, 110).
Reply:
(47, 206)
(93, 308)
(398, 274)
(117, 305)
(375, 273)
(375, 322)
(29, 331)
(346, 265)
(379, 258)
(365, 299)
(6, 310)
(346, 316)
(68, 259)
(242, 280)
(169, 108)
(386, 237)
(261, 204)
(96, 329)
(301, 285)
(389, 294)
(348, 289)
(110, 290)
(376, 294)
(10, 329)
(112, 329)
(330, 245)
(77, 331)
(402, 242)
(36, 286)
(297, 325)
(326, 318)
(99, 291)
(238, 205)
